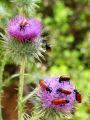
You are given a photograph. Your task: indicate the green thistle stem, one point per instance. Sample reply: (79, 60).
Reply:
(20, 92)
(1, 83)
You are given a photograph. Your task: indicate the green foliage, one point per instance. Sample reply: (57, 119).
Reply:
(26, 6)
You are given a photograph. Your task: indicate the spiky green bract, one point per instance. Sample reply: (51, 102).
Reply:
(27, 6)
(37, 115)
(18, 50)
(47, 113)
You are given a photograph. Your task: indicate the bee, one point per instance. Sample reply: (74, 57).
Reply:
(64, 78)
(23, 24)
(78, 96)
(48, 48)
(59, 101)
(44, 86)
(65, 91)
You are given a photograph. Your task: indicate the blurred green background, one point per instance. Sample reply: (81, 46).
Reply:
(67, 30)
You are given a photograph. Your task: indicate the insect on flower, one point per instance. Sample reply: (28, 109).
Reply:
(58, 101)
(44, 86)
(24, 29)
(65, 91)
(23, 24)
(48, 48)
(63, 101)
(78, 96)
(64, 78)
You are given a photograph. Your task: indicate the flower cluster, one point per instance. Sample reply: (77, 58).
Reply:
(58, 93)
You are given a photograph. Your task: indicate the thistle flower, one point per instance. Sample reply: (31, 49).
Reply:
(24, 29)
(23, 38)
(58, 94)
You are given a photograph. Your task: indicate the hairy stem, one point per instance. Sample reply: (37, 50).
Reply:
(1, 83)
(20, 92)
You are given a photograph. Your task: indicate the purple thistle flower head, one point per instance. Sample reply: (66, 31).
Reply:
(58, 93)
(24, 29)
